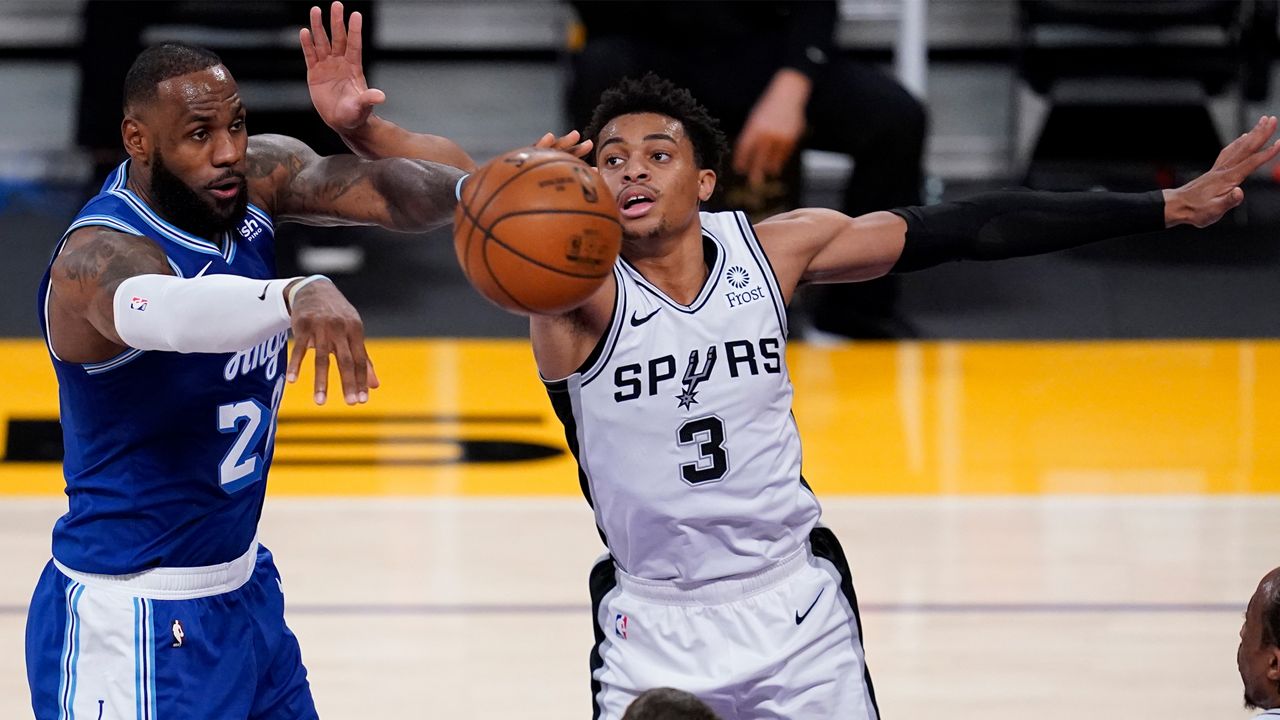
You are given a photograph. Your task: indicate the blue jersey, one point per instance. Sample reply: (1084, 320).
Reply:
(167, 453)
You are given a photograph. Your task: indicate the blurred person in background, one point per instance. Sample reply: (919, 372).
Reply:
(772, 74)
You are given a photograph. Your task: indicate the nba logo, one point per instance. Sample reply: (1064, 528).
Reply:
(138, 303)
(620, 626)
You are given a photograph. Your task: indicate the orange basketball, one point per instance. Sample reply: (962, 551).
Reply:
(536, 231)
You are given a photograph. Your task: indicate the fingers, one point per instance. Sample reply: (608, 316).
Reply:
(547, 141)
(300, 345)
(308, 49)
(318, 34)
(582, 149)
(374, 382)
(322, 371)
(347, 371)
(337, 28)
(372, 96)
(1242, 148)
(355, 40)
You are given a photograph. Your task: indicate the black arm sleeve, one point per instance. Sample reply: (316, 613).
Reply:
(1006, 224)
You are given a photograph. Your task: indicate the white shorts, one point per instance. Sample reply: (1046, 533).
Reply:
(785, 642)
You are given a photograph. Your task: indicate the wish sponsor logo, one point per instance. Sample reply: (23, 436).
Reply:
(265, 355)
(250, 229)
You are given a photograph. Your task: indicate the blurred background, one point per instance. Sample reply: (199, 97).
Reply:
(1053, 94)
(1056, 482)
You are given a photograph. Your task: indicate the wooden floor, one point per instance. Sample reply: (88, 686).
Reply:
(1035, 530)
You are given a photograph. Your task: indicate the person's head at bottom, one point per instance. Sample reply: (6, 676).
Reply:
(668, 704)
(1259, 653)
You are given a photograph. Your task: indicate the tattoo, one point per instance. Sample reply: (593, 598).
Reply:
(397, 193)
(110, 257)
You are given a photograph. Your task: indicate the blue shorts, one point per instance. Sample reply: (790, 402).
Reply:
(100, 652)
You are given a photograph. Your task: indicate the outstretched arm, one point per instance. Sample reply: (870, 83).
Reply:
(335, 77)
(110, 291)
(825, 246)
(398, 194)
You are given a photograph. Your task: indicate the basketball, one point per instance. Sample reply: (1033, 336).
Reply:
(536, 231)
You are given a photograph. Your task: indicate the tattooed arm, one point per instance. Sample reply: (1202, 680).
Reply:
(398, 194)
(82, 287)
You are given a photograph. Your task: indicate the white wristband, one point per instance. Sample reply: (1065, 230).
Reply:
(207, 314)
(293, 291)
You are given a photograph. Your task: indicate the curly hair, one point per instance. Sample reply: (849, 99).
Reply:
(653, 94)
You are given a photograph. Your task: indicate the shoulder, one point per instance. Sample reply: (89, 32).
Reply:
(97, 256)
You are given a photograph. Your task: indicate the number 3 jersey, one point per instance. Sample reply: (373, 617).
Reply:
(681, 421)
(166, 454)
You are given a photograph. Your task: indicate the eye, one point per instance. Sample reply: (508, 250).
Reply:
(662, 156)
(613, 161)
(238, 125)
(200, 134)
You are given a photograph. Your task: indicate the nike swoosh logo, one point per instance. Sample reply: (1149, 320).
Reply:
(263, 296)
(206, 267)
(638, 321)
(800, 618)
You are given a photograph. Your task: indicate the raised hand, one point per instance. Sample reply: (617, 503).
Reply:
(335, 71)
(322, 319)
(1204, 200)
(773, 129)
(570, 142)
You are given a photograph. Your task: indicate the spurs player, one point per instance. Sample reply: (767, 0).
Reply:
(673, 389)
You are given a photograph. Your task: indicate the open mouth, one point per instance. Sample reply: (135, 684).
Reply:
(227, 189)
(635, 202)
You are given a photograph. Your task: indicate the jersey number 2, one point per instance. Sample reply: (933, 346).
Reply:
(713, 462)
(240, 467)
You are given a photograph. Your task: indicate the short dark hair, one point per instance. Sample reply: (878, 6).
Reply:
(668, 704)
(652, 94)
(159, 63)
(1270, 597)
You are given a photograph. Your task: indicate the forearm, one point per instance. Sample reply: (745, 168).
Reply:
(380, 138)
(1007, 224)
(210, 314)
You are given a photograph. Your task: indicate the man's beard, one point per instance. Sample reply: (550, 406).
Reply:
(185, 207)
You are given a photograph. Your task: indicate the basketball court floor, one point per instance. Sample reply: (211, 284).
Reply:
(1050, 530)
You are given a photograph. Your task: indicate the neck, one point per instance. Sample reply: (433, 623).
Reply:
(675, 263)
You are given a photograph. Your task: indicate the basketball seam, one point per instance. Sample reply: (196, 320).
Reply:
(533, 261)
(487, 234)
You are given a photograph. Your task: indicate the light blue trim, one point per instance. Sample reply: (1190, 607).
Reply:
(123, 358)
(102, 221)
(169, 231)
(262, 215)
(64, 665)
(137, 659)
(75, 654)
(151, 661)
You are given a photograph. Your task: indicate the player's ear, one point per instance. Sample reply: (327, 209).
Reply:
(1273, 664)
(706, 184)
(137, 142)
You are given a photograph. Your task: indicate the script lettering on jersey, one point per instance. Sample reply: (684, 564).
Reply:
(742, 358)
(265, 354)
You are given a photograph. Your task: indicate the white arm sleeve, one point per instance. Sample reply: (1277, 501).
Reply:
(207, 314)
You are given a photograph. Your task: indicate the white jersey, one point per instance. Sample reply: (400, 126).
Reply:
(681, 421)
